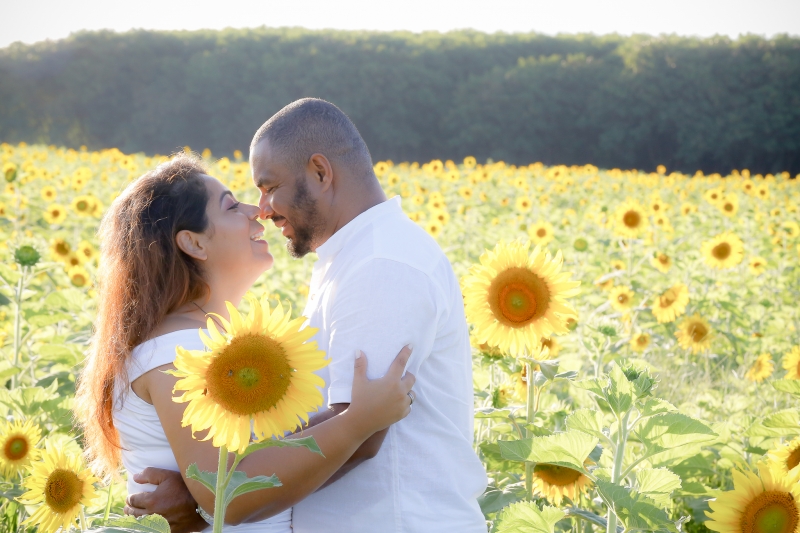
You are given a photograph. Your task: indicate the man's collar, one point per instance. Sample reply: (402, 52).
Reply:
(336, 242)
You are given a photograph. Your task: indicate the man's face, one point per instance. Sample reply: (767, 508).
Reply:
(286, 199)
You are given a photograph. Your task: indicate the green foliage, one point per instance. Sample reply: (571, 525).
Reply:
(526, 517)
(639, 101)
(569, 449)
(128, 524)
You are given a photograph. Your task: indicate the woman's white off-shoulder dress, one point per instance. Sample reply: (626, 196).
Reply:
(141, 435)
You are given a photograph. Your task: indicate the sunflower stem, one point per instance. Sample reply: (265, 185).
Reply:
(616, 473)
(18, 324)
(82, 516)
(108, 502)
(219, 490)
(529, 418)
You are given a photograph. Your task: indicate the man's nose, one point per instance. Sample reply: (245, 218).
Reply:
(265, 210)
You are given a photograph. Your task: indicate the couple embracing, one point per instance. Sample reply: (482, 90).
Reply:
(176, 244)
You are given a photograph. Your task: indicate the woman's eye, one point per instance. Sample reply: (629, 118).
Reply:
(234, 206)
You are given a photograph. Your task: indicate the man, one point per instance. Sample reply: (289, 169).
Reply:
(380, 282)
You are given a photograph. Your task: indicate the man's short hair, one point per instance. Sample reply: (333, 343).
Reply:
(309, 126)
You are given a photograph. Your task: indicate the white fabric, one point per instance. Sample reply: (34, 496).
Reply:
(380, 283)
(142, 436)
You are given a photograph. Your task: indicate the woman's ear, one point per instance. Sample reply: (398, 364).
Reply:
(191, 244)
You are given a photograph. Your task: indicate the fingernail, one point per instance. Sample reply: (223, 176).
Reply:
(358, 354)
(410, 346)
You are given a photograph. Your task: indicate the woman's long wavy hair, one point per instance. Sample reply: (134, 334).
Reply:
(142, 277)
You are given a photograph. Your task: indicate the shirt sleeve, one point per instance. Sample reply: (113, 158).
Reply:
(378, 309)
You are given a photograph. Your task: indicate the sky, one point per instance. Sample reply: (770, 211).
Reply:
(36, 20)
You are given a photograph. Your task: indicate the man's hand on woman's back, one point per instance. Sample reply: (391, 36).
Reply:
(171, 499)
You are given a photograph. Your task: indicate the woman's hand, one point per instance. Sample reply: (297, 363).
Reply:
(379, 403)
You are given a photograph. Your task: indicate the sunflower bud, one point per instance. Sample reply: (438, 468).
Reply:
(581, 244)
(10, 172)
(26, 255)
(608, 331)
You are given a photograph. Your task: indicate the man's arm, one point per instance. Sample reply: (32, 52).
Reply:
(368, 450)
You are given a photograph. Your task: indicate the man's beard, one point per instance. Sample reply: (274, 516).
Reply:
(307, 227)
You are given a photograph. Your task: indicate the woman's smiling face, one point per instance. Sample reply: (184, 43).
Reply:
(234, 241)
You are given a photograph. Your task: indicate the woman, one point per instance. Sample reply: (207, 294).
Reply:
(174, 247)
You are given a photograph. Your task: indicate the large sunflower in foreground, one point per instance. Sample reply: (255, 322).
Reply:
(631, 219)
(515, 297)
(762, 368)
(694, 334)
(555, 482)
(785, 458)
(671, 303)
(261, 371)
(765, 503)
(791, 363)
(61, 484)
(18, 446)
(726, 250)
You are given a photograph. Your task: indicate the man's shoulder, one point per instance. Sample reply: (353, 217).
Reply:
(400, 240)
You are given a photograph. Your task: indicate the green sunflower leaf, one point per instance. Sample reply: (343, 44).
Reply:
(569, 449)
(241, 484)
(305, 442)
(588, 421)
(151, 523)
(792, 386)
(634, 510)
(658, 484)
(668, 431)
(207, 479)
(526, 517)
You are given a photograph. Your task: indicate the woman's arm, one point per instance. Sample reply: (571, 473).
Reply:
(376, 405)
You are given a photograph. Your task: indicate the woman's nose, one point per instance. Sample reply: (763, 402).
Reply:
(252, 211)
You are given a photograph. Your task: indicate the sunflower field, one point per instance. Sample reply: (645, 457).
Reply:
(636, 336)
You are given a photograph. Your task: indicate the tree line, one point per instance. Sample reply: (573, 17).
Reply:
(629, 102)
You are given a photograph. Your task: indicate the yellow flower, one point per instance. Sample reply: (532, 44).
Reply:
(791, 363)
(55, 214)
(470, 162)
(631, 219)
(514, 297)
(694, 334)
(671, 304)
(640, 342)
(786, 457)
(762, 192)
(661, 262)
(261, 372)
(86, 251)
(714, 196)
(555, 482)
(17, 446)
(550, 348)
(60, 249)
(765, 503)
(524, 204)
(434, 228)
(48, 193)
(83, 205)
(621, 298)
(791, 228)
(762, 368)
(465, 193)
(729, 205)
(757, 265)
(78, 276)
(541, 233)
(62, 485)
(726, 250)
(616, 264)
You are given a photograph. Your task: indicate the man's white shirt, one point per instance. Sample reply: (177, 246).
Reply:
(379, 283)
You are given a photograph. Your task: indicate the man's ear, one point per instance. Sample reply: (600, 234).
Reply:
(321, 168)
(191, 244)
